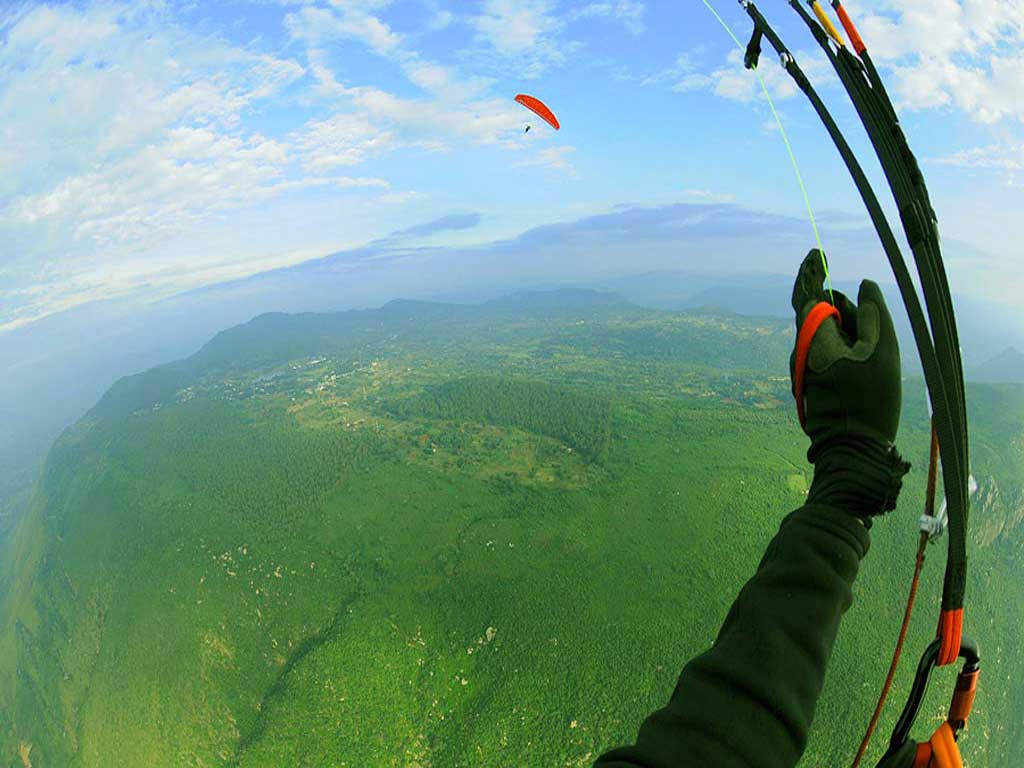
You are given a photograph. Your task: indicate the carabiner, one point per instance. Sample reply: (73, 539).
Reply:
(963, 693)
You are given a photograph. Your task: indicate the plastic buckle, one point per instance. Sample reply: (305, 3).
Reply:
(936, 526)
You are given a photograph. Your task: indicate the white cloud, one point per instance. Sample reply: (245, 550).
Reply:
(962, 54)
(428, 76)
(80, 87)
(452, 107)
(732, 81)
(127, 113)
(441, 20)
(682, 67)
(149, 145)
(340, 140)
(515, 27)
(400, 198)
(193, 174)
(1005, 157)
(121, 132)
(488, 121)
(523, 34)
(708, 196)
(954, 54)
(348, 20)
(552, 157)
(629, 13)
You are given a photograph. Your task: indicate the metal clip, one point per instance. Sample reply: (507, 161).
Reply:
(962, 698)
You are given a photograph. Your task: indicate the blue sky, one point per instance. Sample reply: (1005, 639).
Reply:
(152, 147)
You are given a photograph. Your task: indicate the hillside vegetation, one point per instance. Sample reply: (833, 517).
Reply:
(580, 421)
(453, 536)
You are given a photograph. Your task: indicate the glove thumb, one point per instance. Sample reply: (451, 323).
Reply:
(875, 332)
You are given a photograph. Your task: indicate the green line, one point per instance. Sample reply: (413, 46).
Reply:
(789, 149)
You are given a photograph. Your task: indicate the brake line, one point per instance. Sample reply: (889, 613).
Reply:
(789, 150)
(922, 545)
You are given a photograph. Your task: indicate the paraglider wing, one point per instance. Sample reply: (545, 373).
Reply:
(539, 108)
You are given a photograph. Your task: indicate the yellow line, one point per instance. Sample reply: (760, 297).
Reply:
(826, 22)
(789, 149)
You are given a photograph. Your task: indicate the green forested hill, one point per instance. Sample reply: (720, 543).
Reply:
(431, 535)
(580, 421)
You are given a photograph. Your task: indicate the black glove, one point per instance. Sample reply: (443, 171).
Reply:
(852, 396)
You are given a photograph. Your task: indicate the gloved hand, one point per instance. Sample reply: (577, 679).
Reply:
(852, 396)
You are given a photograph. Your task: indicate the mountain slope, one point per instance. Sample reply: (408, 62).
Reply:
(370, 537)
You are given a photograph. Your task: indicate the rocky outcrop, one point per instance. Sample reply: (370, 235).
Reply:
(996, 513)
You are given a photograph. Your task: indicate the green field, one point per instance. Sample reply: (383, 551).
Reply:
(433, 535)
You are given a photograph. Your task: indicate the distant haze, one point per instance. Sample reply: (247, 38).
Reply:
(682, 256)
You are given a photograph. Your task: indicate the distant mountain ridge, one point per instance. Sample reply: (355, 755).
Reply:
(990, 343)
(275, 337)
(1005, 368)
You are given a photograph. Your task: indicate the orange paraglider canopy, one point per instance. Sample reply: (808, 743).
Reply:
(540, 108)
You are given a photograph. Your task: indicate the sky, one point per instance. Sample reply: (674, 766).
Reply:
(154, 147)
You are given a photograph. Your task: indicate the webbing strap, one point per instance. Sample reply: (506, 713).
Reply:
(940, 751)
(950, 632)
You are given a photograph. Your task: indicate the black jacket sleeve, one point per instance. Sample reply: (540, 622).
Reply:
(748, 702)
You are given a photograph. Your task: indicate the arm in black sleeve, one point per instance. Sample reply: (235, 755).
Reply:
(748, 702)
